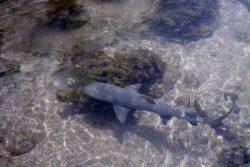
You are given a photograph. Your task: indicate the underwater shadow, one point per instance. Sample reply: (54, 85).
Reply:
(156, 138)
(108, 120)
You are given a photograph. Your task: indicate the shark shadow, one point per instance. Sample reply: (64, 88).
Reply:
(107, 120)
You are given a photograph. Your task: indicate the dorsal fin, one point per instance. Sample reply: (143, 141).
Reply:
(121, 113)
(135, 87)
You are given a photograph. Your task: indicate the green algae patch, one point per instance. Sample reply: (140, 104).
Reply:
(121, 69)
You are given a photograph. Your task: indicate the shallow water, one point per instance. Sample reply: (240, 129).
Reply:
(212, 63)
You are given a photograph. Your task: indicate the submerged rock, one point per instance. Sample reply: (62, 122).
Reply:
(6, 161)
(236, 155)
(185, 20)
(107, 1)
(123, 69)
(71, 95)
(16, 138)
(1, 41)
(8, 67)
(20, 143)
(246, 3)
(9, 84)
(1, 100)
(66, 14)
(191, 81)
(183, 100)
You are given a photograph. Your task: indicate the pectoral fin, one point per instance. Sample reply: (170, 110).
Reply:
(121, 113)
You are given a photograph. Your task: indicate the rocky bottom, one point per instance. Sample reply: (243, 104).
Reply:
(37, 129)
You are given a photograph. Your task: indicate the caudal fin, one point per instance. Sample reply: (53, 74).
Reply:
(217, 122)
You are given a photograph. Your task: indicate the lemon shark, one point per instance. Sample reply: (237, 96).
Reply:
(128, 98)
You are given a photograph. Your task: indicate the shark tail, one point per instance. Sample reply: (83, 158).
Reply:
(218, 122)
(203, 117)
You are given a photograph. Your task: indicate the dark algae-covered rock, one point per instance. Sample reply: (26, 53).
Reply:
(185, 20)
(1, 40)
(19, 143)
(236, 155)
(108, 1)
(122, 69)
(246, 3)
(74, 95)
(16, 138)
(66, 14)
(190, 80)
(6, 161)
(8, 67)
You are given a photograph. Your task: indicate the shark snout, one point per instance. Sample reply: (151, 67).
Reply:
(91, 89)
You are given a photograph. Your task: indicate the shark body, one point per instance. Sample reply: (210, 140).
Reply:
(126, 99)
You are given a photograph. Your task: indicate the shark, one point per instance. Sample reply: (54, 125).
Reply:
(128, 98)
